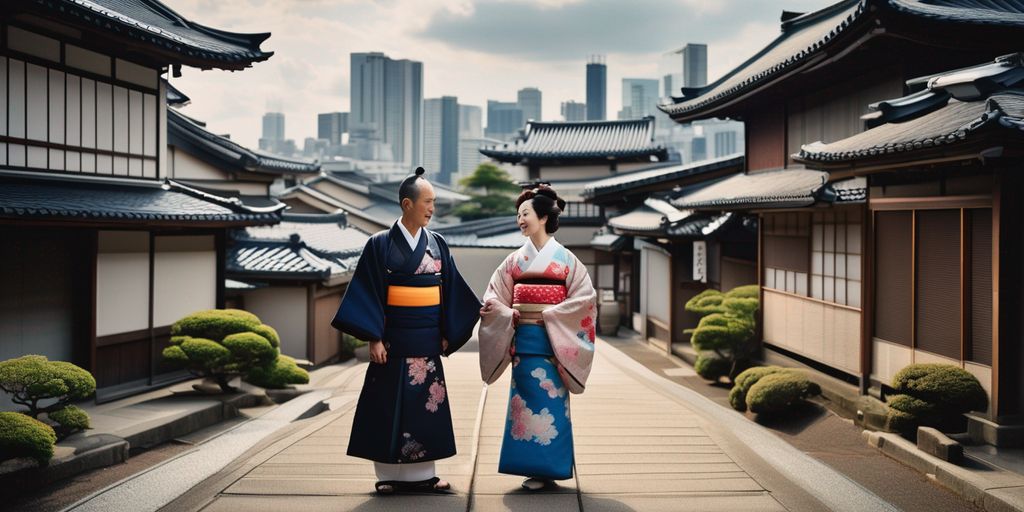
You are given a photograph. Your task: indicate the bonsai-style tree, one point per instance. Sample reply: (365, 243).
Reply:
(22, 436)
(220, 344)
(934, 395)
(723, 336)
(498, 196)
(48, 387)
(283, 372)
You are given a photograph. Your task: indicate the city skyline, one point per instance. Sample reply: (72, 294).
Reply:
(309, 74)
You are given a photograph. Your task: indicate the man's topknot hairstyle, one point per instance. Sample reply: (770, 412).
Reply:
(546, 203)
(409, 188)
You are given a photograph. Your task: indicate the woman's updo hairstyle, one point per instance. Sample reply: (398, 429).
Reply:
(546, 203)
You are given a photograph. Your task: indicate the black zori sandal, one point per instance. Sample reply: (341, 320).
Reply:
(386, 487)
(430, 485)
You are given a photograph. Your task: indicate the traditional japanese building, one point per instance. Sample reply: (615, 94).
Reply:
(103, 248)
(293, 276)
(820, 302)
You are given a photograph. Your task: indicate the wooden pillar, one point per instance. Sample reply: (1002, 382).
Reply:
(867, 297)
(1006, 297)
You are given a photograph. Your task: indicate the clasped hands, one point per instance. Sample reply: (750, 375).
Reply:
(491, 307)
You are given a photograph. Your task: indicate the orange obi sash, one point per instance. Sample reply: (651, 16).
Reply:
(414, 296)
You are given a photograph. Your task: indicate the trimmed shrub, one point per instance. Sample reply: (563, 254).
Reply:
(934, 395)
(22, 436)
(221, 344)
(69, 420)
(746, 379)
(780, 391)
(279, 375)
(726, 328)
(710, 367)
(948, 386)
(706, 302)
(33, 379)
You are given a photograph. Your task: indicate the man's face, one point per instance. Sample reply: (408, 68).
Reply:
(420, 211)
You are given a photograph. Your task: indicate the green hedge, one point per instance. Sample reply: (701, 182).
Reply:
(279, 375)
(935, 395)
(223, 343)
(746, 379)
(22, 436)
(780, 391)
(710, 367)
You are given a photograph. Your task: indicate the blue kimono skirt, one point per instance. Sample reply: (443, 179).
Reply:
(538, 433)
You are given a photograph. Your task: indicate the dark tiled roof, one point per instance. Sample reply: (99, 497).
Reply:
(586, 140)
(121, 202)
(771, 189)
(313, 246)
(956, 122)
(152, 27)
(805, 37)
(175, 97)
(662, 174)
(657, 218)
(192, 136)
(608, 241)
(272, 260)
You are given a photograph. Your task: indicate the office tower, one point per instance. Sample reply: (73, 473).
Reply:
(597, 89)
(273, 132)
(529, 100)
(471, 123)
(441, 137)
(504, 119)
(574, 111)
(695, 65)
(639, 98)
(387, 104)
(331, 126)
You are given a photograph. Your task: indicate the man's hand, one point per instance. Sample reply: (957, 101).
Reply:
(489, 308)
(378, 354)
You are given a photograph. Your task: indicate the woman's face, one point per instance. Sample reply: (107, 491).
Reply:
(529, 224)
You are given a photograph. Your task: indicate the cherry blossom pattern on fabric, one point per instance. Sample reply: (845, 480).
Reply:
(547, 384)
(419, 367)
(412, 450)
(538, 294)
(437, 395)
(517, 267)
(429, 265)
(527, 426)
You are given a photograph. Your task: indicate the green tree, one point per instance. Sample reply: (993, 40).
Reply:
(723, 336)
(498, 197)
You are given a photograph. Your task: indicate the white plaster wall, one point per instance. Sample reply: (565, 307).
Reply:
(823, 332)
(184, 277)
(122, 282)
(284, 308)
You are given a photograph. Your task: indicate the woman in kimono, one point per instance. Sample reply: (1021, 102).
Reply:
(538, 315)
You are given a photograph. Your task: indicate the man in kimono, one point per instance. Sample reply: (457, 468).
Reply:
(410, 303)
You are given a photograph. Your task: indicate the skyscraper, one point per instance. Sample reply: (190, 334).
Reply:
(574, 111)
(441, 137)
(695, 65)
(273, 131)
(597, 89)
(471, 123)
(639, 98)
(504, 119)
(387, 104)
(529, 100)
(331, 126)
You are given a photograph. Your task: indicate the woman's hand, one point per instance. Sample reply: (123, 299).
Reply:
(515, 317)
(378, 354)
(490, 307)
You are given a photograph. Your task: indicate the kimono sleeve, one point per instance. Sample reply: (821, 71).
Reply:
(361, 313)
(460, 305)
(497, 330)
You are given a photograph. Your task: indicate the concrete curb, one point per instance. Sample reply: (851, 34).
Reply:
(996, 491)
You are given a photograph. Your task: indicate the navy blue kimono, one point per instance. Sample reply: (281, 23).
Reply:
(403, 413)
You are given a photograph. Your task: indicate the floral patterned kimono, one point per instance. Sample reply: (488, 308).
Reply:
(550, 350)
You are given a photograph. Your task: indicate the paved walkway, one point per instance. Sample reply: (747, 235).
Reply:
(642, 443)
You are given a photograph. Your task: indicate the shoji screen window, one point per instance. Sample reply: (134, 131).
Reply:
(836, 256)
(786, 246)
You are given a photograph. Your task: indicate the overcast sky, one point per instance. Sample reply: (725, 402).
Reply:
(475, 50)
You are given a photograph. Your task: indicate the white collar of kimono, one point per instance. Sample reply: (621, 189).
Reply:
(543, 255)
(413, 240)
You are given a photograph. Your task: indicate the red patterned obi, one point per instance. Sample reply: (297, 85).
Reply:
(538, 293)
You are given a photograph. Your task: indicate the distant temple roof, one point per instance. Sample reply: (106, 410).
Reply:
(631, 140)
(191, 136)
(806, 39)
(656, 217)
(954, 109)
(660, 177)
(319, 247)
(154, 30)
(94, 202)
